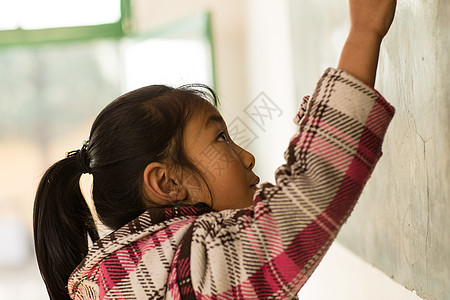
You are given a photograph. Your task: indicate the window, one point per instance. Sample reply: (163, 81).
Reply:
(50, 92)
(176, 54)
(31, 21)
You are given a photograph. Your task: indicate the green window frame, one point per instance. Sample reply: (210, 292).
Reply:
(65, 34)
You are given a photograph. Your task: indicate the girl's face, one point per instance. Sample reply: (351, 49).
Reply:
(226, 167)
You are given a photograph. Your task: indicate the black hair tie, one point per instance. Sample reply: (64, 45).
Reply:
(82, 158)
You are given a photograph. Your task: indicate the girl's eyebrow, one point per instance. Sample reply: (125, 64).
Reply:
(213, 118)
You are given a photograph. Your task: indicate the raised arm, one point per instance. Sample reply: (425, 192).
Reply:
(270, 250)
(369, 22)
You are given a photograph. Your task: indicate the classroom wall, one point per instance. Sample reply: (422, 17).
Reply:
(400, 224)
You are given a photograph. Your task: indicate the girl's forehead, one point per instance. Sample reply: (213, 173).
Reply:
(211, 118)
(200, 123)
(205, 115)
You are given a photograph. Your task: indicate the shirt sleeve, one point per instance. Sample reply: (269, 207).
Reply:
(270, 250)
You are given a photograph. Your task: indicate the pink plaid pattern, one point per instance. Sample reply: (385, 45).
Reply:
(267, 251)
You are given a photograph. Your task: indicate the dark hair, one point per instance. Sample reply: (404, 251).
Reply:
(137, 128)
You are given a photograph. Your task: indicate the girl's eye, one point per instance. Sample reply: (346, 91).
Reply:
(222, 137)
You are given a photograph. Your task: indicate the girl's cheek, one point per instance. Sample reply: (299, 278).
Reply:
(196, 188)
(215, 162)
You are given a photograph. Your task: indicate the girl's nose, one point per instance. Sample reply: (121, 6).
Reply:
(247, 158)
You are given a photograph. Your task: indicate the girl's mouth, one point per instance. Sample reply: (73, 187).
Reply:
(254, 185)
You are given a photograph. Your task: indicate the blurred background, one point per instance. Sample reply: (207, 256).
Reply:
(61, 62)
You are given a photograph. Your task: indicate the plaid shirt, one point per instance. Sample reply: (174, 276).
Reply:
(269, 250)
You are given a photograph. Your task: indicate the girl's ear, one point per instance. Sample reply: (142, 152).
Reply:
(160, 186)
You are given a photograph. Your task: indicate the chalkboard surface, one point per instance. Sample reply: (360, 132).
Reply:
(401, 224)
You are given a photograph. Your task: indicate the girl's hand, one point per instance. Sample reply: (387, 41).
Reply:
(371, 17)
(369, 22)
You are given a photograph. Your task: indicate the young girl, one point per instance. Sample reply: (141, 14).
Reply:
(183, 231)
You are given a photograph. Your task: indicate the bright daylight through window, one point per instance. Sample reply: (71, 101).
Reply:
(32, 14)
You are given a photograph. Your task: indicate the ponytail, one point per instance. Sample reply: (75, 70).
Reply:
(61, 222)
